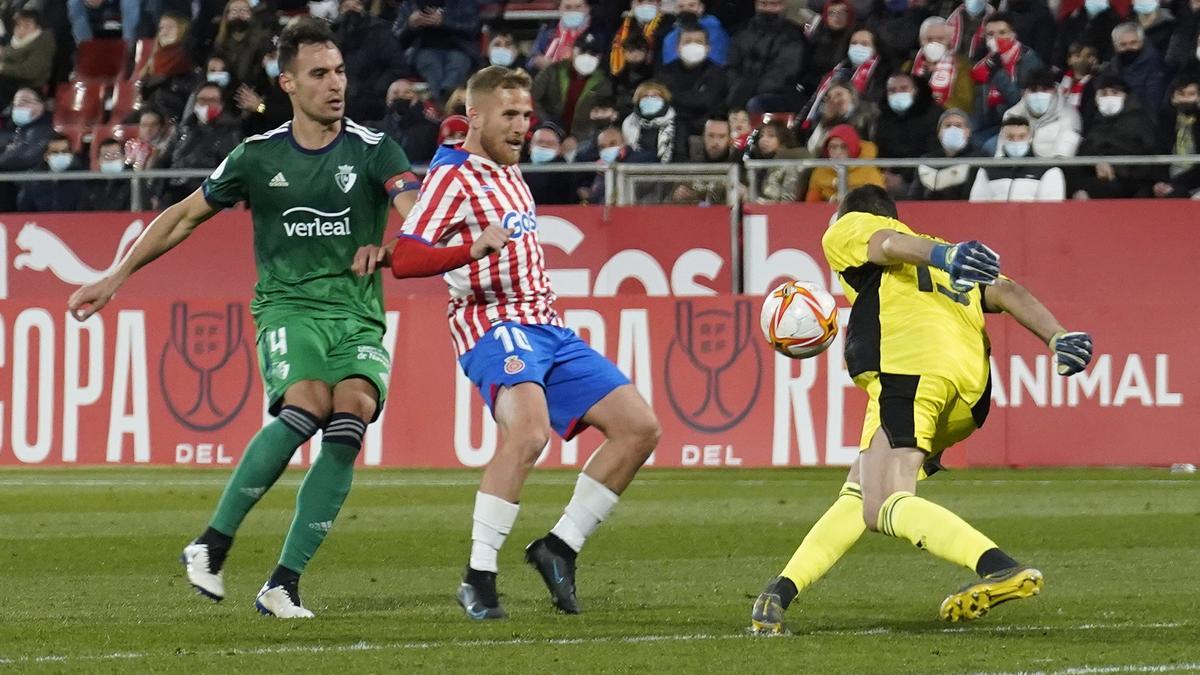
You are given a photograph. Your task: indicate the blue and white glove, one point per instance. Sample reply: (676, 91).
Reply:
(968, 263)
(1072, 351)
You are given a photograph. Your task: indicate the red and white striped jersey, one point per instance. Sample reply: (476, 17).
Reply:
(462, 195)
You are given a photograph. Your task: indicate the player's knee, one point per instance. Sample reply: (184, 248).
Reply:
(645, 433)
(313, 397)
(870, 513)
(527, 445)
(359, 404)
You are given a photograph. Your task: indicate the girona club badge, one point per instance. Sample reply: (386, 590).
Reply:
(205, 369)
(713, 368)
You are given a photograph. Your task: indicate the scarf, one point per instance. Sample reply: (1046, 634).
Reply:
(663, 125)
(940, 75)
(18, 43)
(563, 42)
(616, 57)
(1009, 59)
(1185, 141)
(958, 19)
(860, 79)
(1071, 89)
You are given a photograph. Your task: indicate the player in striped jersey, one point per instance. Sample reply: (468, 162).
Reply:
(474, 221)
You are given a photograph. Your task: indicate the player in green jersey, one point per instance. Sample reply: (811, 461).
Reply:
(319, 188)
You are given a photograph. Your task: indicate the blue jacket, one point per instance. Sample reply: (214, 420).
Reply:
(1146, 77)
(718, 41)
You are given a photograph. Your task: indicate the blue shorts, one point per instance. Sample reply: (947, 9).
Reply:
(574, 375)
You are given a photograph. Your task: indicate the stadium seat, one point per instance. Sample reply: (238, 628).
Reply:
(101, 60)
(75, 134)
(79, 104)
(126, 97)
(121, 132)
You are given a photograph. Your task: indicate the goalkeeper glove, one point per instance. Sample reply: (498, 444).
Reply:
(968, 263)
(1072, 351)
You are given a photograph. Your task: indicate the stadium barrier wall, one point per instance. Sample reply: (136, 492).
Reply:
(167, 373)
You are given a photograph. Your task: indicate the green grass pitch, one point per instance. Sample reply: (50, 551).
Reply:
(89, 579)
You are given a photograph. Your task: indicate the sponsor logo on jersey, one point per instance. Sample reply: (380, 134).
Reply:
(345, 177)
(370, 353)
(278, 181)
(513, 365)
(518, 223)
(314, 223)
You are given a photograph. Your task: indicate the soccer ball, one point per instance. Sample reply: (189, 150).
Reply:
(799, 319)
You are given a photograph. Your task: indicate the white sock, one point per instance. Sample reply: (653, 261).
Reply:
(494, 519)
(589, 506)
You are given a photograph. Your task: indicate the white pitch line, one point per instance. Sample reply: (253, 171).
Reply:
(626, 639)
(1100, 670)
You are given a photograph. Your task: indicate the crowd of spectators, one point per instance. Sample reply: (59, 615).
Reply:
(649, 81)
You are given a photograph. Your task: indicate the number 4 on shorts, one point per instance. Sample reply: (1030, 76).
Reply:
(277, 341)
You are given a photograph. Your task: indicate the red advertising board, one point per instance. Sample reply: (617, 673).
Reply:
(166, 375)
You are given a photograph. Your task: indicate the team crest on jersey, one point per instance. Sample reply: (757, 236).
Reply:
(345, 177)
(513, 365)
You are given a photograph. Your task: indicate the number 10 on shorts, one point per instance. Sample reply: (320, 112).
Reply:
(513, 338)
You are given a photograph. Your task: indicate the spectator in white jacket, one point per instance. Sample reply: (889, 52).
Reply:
(1018, 183)
(1056, 126)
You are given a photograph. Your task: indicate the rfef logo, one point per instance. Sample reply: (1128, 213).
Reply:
(713, 368)
(205, 369)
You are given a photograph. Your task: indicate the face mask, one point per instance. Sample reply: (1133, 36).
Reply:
(769, 18)
(218, 77)
(953, 139)
(272, 68)
(934, 51)
(540, 155)
(1127, 58)
(859, 54)
(1038, 102)
(206, 114)
(238, 25)
(585, 64)
(1145, 6)
(22, 116)
(573, 20)
(992, 45)
(501, 56)
(1094, 7)
(1016, 148)
(693, 53)
(609, 155)
(975, 7)
(900, 101)
(60, 161)
(684, 18)
(112, 165)
(650, 106)
(645, 13)
(253, 3)
(1110, 105)
(1186, 107)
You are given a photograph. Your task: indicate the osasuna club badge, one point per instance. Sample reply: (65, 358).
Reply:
(345, 177)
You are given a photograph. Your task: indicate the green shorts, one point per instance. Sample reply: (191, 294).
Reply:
(327, 350)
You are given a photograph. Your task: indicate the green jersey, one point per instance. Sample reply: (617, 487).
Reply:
(312, 210)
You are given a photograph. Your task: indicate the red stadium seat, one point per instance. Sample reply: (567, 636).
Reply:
(121, 132)
(79, 104)
(74, 134)
(126, 97)
(101, 59)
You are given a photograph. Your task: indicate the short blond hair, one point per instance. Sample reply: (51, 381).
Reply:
(497, 77)
(652, 87)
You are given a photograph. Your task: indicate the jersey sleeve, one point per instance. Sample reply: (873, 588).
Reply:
(845, 242)
(226, 186)
(441, 205)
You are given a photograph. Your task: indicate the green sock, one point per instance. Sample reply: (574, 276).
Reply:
(261, 465)
(323, 491)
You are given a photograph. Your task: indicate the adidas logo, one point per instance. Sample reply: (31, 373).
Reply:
(278, 181)
(253, 492)
(324, 526)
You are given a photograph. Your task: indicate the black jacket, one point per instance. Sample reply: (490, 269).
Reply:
(412, 128)
(1129, 132)
(827, 49)
(373, 61)
(1035, 27)
(765, 57)
(911, 133)
(278, 111)
(696, 93)
(44, 196)
(1146, 77)
(27, 147)
(898, 34)
(106, 195)
(195, 146)
(554, 188)
(1094, 32)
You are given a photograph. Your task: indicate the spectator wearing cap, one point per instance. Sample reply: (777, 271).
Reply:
(555, 42)
(503, 51)
(843, 142)
(167, 79)
(716, 147)
(906, 127)
(966, 23)
(410, 122)
(1091, 24)
(1158, 23)
(1179, 134)
(567, 90)
(1032, 183)
(1056, 126)
(652, 127)
(53, 195)
(440, 38)
(372, 56)
(645, 19)
(828, 41)
(545, 148)
(689, 13)
(945, 72)
(1121, 127)
(698, 86)
(108, 195)
(766, 59)
(1139, 65)
(28, 58)
(950, 182)
(997, 76)
(1034, 25)
(453, 130)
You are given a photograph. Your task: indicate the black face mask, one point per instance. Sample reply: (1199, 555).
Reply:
(686, 18)
(402, 107)
(351, 18)
(1187, 108)
(1127, 58)
(769, 18)
(238, 25)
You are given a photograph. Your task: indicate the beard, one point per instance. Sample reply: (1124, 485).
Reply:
(499, 151)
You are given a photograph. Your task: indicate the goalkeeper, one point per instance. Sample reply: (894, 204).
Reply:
(916, 343)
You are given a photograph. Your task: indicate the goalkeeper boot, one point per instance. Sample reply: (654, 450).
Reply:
(281, 601)
(477, 596)
(555, 561)
(202, 564)
(975, 599)
(766, 618)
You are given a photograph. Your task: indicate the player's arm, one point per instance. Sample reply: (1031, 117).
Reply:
(969, 262)
(403, 189)
(1072, 350)
(165, 232)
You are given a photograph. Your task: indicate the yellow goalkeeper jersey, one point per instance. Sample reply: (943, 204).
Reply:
(906, 319)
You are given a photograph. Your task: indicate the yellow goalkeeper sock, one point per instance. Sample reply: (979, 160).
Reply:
(932, 528)
(829, 538)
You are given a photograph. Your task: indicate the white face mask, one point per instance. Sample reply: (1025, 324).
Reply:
(991, 45)
(934, 51)
(859, 54)
(501, 56)
(1145, 6)
(201, 112)
(610, 155)
(218, 77)
(974, 7)
(573, 20)
(1110, 105)
(953, 138)
(650, 106)
(1016, 148)
(585, 64)
(900, 101)
(1038, 102)
(645, 12)
(693, 53)
(112, 165)
(1094, 7)
(60, 161)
